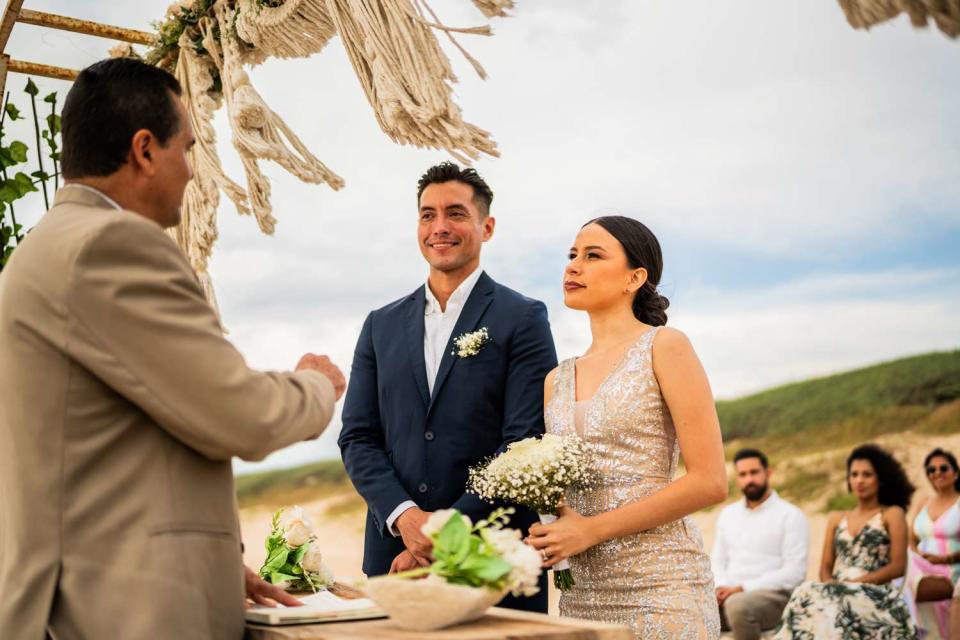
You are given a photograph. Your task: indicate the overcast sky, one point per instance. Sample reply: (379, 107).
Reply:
(803, 178)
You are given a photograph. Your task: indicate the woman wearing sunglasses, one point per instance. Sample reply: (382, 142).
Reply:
(934, 558)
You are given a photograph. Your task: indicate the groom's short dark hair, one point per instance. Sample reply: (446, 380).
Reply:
(109, 102)
(450, 172)
(744, 454)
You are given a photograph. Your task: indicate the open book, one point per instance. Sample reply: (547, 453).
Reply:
(323, 606)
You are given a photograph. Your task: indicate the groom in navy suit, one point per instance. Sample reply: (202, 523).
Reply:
(419, 411)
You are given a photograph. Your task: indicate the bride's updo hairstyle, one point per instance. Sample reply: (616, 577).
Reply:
(643, 251)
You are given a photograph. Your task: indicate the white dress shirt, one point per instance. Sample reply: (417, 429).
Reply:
(761, 548)
(438, 327)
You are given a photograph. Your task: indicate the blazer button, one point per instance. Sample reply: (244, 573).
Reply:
(422, 488)
(428, 435)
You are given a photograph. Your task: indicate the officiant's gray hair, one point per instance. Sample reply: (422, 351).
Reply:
(451, 172)
(109, 102)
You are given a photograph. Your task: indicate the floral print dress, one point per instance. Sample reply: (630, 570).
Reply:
(850, 610)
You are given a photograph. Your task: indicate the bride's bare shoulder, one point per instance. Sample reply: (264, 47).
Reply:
(671, 340)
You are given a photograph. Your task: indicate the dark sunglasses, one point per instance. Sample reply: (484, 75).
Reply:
(944, 468)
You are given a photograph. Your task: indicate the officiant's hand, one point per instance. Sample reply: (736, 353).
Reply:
(323, 365)
(404, 562)
(568, 536)
(419, 545)
(259, 591)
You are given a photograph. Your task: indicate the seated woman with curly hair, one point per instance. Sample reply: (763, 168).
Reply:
(864, 549)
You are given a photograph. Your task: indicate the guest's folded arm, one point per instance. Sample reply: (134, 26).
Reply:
(140, 323)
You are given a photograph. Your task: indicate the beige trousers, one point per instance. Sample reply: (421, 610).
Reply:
(748, 614)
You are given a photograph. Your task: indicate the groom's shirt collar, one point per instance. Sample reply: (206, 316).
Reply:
(457, 299)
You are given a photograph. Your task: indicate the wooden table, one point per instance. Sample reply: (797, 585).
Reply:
(497, 624)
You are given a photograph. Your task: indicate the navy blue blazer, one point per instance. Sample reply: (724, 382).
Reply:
(400, 443)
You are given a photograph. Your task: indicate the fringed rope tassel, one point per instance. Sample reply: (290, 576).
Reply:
(295, 29)
(406, 75)
(863, 14)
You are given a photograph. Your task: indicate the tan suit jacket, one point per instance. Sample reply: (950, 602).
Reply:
(121, 405)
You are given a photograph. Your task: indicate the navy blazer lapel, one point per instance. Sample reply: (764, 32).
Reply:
(473, 309)
(414, 307)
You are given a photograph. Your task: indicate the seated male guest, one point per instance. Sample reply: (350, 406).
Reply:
(759, 552)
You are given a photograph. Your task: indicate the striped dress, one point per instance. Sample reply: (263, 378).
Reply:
(939, 537)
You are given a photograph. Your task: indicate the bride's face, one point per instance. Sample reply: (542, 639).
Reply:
(598, 275)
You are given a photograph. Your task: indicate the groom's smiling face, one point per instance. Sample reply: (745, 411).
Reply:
(452, 228)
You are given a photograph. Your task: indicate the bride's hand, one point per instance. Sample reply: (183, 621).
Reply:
(571, 534)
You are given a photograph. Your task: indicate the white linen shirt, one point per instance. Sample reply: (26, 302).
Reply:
(438, 327)
(761, 548)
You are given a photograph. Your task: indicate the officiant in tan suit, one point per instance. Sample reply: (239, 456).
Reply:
(121, 403)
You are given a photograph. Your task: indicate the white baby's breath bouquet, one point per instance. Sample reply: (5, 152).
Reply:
(535, 473)
(294, 561)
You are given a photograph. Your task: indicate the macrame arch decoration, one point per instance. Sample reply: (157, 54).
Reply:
(393, 49)
(945, 14)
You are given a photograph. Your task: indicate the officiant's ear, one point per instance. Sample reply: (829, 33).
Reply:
(637, 279)
(140, 147)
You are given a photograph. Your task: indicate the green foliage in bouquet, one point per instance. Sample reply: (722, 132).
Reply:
(289, 566)
(463, 556)
(482, 555)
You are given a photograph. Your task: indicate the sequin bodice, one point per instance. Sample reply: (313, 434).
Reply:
(658, 582)
(627, 424)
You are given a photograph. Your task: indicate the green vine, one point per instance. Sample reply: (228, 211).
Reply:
(16, 184)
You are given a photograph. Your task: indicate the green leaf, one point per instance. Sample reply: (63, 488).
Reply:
(53, 123)
(299, 553)
(275, 561)
(12, 111)
(18, 151)
(24, 183)
(51, 98)
(31, 88)
(40, 175)
(277, 577)
(488, 569)
(452, 536)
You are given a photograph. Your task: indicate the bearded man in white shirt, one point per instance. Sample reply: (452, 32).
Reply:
(759, 553)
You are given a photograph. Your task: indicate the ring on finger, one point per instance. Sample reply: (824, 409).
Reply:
(544, 555)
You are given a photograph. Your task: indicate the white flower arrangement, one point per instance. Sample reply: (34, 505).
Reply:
(294, 561)
(482, 555)
(535, 473)
(469, 344)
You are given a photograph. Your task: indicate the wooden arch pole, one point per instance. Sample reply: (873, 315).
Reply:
(14, 13)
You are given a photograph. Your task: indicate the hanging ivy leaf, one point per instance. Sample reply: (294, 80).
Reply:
(51, 98)
(18, 151)
(13, 112)
(31, 88)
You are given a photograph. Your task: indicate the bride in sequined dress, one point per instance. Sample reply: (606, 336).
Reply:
(640, 398)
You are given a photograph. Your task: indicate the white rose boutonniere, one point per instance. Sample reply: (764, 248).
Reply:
(469, 344)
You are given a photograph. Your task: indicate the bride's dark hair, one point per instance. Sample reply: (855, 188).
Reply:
(643, 251)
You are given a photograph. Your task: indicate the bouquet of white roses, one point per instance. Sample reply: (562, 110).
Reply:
(293, 559)
(485, 554)
(535, 473)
